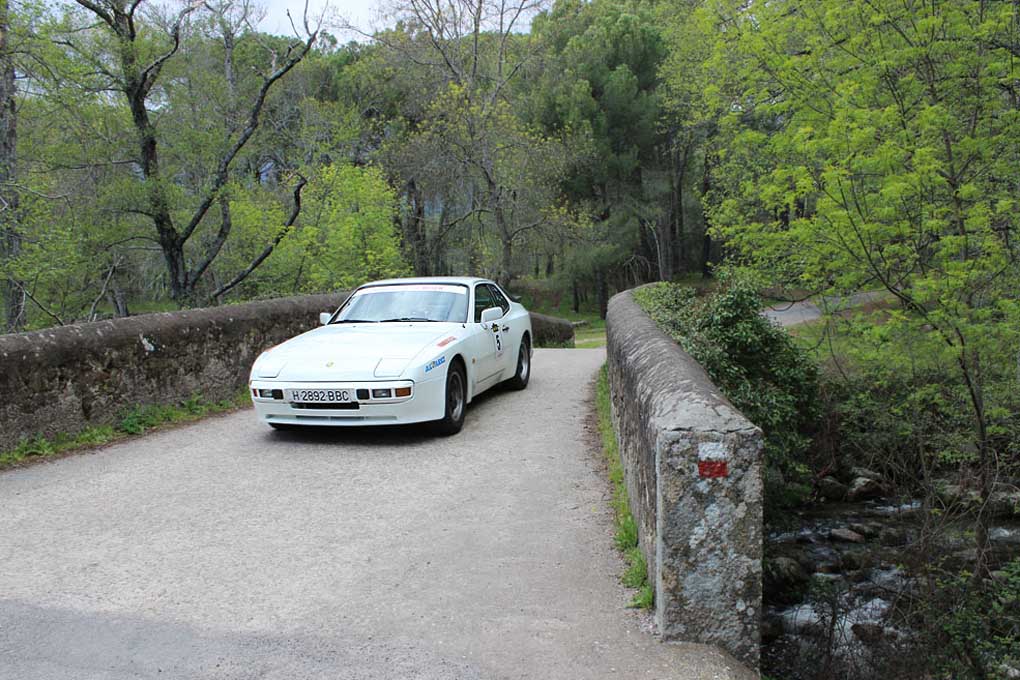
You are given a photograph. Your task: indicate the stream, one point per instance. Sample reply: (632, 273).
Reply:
(833, 581)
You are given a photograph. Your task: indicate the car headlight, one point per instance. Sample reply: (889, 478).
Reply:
(390, 368)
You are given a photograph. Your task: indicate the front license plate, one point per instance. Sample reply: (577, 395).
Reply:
(318, 396)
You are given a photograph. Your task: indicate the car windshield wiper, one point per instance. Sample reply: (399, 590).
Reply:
(407, 318)
(355, 321)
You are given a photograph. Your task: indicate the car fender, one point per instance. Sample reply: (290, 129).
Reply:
(434, 361)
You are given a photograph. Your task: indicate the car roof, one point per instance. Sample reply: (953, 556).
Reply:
(458, 280)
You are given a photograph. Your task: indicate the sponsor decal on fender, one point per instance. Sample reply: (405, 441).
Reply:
(435, 362)
(445, 341)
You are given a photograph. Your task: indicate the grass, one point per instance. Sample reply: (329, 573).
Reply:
(132, 422)
(592, 334)
(626, 538)
(542, 296)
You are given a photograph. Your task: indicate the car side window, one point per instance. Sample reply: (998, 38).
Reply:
(500, 299)
(483, 300)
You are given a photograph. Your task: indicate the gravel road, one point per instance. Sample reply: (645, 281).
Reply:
(793, 313)
(224, 549)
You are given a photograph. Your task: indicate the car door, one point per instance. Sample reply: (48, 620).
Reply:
(508, 355)
(490, 349)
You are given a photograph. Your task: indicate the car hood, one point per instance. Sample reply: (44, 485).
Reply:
(341, 352)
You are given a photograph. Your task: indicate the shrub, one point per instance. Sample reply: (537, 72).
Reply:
(754, 362)
(972, 629)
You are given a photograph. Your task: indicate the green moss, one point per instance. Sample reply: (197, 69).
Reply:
(626, 537)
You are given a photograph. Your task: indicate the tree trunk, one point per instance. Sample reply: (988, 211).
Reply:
(706, 241)
(10, 236)
(678, 177)
(414, 232)
(505, 276)
(118, 301)
(602, 291)
(970, 362)
(664, 248)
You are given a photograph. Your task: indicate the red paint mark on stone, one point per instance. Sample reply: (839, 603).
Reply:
(713, 468)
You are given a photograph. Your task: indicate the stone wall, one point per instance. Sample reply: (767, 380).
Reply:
(61, 380)
(551, 331)
(693, 470)
(67, 378)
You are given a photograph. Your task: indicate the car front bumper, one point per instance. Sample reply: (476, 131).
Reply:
(427, 402)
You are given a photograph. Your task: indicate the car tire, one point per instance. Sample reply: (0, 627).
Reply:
(456, 401)
(523, 373)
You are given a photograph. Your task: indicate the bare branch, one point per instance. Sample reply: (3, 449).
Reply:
(295, 211)
(99, 11)
(92, 309)
(220, 178)
(45, 310)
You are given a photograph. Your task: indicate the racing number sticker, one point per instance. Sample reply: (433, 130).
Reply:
(497, 334)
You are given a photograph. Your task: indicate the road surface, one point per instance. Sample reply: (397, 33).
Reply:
(224, 549)
(793, 313)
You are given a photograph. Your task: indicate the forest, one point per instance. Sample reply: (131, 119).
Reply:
(165, 155)
(161, 156)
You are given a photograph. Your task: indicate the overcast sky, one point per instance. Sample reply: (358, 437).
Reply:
(364, 14)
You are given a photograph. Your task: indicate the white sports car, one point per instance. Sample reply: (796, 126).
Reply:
(397, 351)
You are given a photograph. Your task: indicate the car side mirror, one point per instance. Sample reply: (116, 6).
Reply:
(324, 317)
(492, 314)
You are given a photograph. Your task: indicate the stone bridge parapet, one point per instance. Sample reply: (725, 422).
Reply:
(693, 470)
(64, 379)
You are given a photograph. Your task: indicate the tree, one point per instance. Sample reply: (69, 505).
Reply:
(596, 84)
(139, 59)
(892, 164)
(10, 237)
(473, 47)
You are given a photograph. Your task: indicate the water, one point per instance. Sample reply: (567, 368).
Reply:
(843, 618)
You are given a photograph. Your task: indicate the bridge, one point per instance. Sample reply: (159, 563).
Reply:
(223, 549)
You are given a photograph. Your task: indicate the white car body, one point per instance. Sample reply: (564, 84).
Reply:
(330, 375)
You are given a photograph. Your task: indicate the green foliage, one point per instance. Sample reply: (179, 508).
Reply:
(626, 536)
(637, 571)
(972, 630)
(871, 145)
(645, 597)
(598, 89)
(895, 402)
(767, 376)
(353, 239)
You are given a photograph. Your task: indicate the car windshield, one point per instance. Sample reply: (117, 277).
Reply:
(406, 302)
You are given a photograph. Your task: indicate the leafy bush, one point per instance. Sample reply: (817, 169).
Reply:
(896, 402)
(973, 629)
(755, 363)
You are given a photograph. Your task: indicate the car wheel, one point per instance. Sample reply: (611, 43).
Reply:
(523, 374)
(456, 401)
